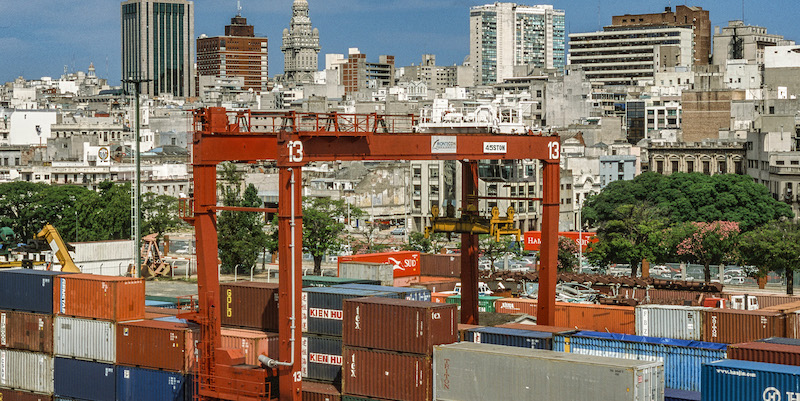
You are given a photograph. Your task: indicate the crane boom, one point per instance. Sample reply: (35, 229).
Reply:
(59, 248)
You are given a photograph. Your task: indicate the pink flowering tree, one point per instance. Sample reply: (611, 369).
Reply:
(709, 243)
(567, 255)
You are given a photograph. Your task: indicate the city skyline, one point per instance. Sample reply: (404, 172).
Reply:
(44, 36)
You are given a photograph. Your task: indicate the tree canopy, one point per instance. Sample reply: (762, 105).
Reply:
(708, 243)
(773, 247)
(323, 226)
(240, 234)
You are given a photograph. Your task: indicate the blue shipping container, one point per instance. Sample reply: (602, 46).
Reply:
(682, 358)
(510, 337)
(322, 358)
(159, 304)
(780, 340)
(27, 290)
(671, 394)
(136, 384)
(411, 294)
(84, 380)
(322, 307)
(732, 380)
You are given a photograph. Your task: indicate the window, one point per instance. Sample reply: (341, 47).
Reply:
(723, 167)
(660, 167)
(417, 172)
(492, 190)
(674, 166)
(707, 167)
(690, 167)
(434, 172)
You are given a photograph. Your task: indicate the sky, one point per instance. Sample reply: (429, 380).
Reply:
(44, 37)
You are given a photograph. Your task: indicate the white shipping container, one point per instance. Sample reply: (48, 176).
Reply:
(93, 340)
(671, 321)
(368, 271)
(469, 371)
(26, 371)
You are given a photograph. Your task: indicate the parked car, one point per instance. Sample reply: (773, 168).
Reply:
(399, 231)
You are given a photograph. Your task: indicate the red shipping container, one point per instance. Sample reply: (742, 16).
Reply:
(26, 331)
(765, 352)
(463, 328)
(432, 264)
(115, 299)
(155, 344)
(13, 395)
(516, 305)
(313, 391)
(613, 319)
(252, 343)
(732, 326)
(398, 324)
(387, 375)
(436, 284)
(406, 263)
(251, 305)
(439, 298)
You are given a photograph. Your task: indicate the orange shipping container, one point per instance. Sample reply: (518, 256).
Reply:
(439, 298)
(731, 326)
(516, 305)
(26, 331)
(157, 344)
(252, 343)
(116, 299)
(613, 319)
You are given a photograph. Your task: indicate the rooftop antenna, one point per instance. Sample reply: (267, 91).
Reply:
(238, 8)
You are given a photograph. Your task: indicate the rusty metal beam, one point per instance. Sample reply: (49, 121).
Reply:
(469, 245)
(545, 308)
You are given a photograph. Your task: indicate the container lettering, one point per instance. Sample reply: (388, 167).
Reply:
(325, 359)
(319, 313)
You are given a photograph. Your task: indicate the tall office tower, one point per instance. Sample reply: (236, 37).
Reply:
(237, 54)
(503, 35)
(158, 45)
(300, 45)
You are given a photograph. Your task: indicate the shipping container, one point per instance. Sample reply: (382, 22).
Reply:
(765, 352)
(85, 380)
(682, 358)
(510, 337)
(26, 371)
(92, 340)
(463, 328)
(251, 305)
(403, 263)
(732, 326)
(485, 302)
(116, 299)
(164, 311)
(159, 304)
(252, 343)
(157, 345)
(398, 325)
(470, 371)
(613, 319)
(767, 300)
(26, 331)
(346, 397)
(138, 384)
(408, 293)
(780, 340)
(538, 327)
(440, 265)
(674, 321)
(671, 394)
(14, 395)
(27, 290)
(516, 305)
(387, 375)
(732, 380)
(436, 284)
(440, 298)
(326, 281)
(384, 273)
(321, 358)
(321, 309)
(313, 391)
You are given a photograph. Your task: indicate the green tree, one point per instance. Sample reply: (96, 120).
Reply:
(20, 208)
(773, 247)
(567, 255)
(690, 197)
(159, 214)
(240, 234)
(709, 243)
(493, 250)
(633, 233)
(324, 226)
(433, 244)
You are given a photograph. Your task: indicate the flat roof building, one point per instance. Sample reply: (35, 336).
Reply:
(237, 54)
(685, 16)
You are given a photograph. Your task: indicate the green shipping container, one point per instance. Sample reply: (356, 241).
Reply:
(485, 302)
(326, 281)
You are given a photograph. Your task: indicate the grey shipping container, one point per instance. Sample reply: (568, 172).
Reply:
(370, 271)
(470, 371)
(321, 309)
(321, 358)
(672, 321)
(85, 380)
(327, 281)
(407, 293)
(93, 340)
(27, 290)
(27, 371)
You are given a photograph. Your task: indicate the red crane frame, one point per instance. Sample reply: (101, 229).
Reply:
(294, 139)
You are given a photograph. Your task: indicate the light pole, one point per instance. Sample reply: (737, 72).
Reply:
(580, 237)
(76, 225)
(137, 187)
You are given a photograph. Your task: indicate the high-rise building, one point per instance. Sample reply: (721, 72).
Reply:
(300, 45)
(738, 41)
(237, 54)
(685, 16)
(503, 35)
(358, 74)
(158, 45)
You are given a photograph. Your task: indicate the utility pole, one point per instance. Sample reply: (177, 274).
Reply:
(137, 187)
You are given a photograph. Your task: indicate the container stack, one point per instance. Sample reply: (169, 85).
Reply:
(249, 313)
(388, 347)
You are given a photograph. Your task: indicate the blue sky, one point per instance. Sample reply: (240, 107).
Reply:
(40, 37)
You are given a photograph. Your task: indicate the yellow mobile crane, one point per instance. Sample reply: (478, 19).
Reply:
(59, 248)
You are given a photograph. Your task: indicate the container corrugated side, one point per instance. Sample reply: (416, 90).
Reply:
(313, 391)
(732, 380)
(26, 331)
(614, 319)
(440, 265)
(537, 327)
(516, 305)
(321, 308)
(398, 325)
(252, 343)
(90, 296)
(251, 305)
(671, 394)
(765, 352)
(85, 380)
(27, 371)
(673, 321)
(510, 337)
(470, 371)
(27, 290)
(485, 302)
(321, 358)
(327, 281)
(732, 326)
(157, 345)
(408, 293)
(92, 340)
(14, 395)
(137, 384)
(387, 375)
(682, 358)
(780, 340)
(369, 271)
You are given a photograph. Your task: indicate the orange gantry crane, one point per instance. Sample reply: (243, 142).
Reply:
(294, 139)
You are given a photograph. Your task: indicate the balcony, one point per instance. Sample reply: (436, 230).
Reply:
(785, 170)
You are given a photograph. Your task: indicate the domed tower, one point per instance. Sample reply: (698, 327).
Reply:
(300, 45)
